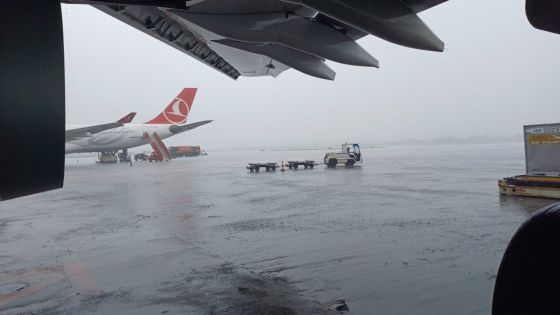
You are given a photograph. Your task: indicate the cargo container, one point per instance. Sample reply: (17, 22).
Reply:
(184, 151)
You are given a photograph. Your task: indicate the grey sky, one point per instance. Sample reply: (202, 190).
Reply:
(496, 74)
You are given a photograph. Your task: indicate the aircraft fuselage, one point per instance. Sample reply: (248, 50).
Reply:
(128, 136)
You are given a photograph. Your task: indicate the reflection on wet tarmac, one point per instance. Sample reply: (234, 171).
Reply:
(415, 230)
(521, 204)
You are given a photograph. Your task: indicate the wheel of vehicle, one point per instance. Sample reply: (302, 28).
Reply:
(295, 166)
(311, 166)
(332, 162)
(257, 169)
(350, 163)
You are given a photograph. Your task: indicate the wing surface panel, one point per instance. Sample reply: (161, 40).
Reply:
(266, 37)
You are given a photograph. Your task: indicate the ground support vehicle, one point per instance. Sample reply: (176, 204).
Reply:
(531, 186)
(255, 167)
(141, 157)
(155, 157)
(184, 151)
(306, 164)
(107, 157)
(348, 156)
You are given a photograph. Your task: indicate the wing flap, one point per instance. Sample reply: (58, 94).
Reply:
(306, 35)
(391, 20)
(296, 59)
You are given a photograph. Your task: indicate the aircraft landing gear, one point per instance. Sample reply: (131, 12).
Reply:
(123, 156)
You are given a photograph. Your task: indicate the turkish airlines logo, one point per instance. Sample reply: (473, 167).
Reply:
(177, 112)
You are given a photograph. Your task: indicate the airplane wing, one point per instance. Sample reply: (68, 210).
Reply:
(83, 132)
(77, 133)
(267, 37)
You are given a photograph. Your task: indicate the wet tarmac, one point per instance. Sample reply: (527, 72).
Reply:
(415, 230)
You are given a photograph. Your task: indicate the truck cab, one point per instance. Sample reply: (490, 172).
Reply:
(353, 150)
(155, 157)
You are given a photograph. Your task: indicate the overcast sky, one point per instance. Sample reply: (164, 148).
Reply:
(496, 74)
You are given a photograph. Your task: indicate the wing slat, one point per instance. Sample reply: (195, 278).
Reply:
(157, 24)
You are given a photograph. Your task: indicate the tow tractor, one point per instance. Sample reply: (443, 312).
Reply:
(141, 157)
(349, 156)
(155, 157)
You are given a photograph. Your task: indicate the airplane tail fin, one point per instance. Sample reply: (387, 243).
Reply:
(127, 119)
(177, 111)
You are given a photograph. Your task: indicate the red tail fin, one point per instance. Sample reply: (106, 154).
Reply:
(126, 119)
(178, 110)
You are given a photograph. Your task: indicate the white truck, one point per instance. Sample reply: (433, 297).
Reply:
(349, 156)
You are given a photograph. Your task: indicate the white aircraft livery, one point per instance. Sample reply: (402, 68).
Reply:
(172, 121)
(81, 132)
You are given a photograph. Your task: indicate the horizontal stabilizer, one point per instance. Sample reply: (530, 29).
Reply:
(298, 60)
(182, 128)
